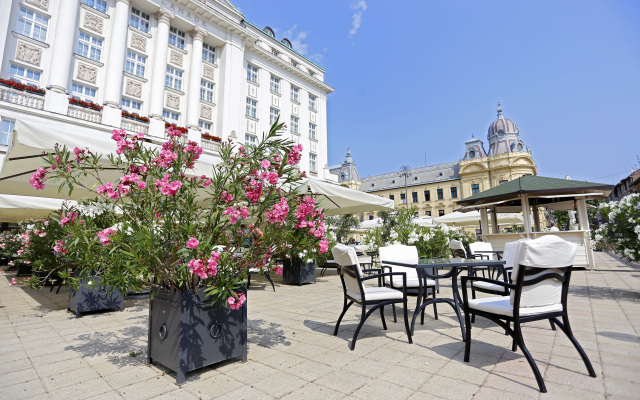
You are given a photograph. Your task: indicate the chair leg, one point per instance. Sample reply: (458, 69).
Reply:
(344, 311)
(268, 276)
(553, 327)
(393, 307)
(406, 322)
(566, 328)
(467, 343)
(248, 279)
(518, 338)
(435, 308)
(384, 323)
(363, 318)
(473, 296)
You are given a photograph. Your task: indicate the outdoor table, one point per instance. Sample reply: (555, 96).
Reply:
(453, 265)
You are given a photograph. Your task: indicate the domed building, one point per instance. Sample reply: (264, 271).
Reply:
(435, 189)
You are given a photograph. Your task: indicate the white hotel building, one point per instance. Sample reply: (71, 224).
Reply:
(197, 64)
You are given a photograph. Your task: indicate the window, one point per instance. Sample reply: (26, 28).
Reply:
(174, 78)
(295, 94)
(250, 140)
(295, 124)
(403, 199)
(99, 5)
(275, 52)
(427, 213)
(205, 127)
(252, 73)
(391, 197)
(82, 92)
(135, 64)
(414, 197)
(176, 37)
(440, 194)
(131, 104)
(274, 113)
(312, 131)
(454, 193)
(206, 91)
(427, 195)
(502, 182)
(252, 107)
(89, 46)
(275, 84)
(24, 75)
(361, 218)
(475, 188)
(32, 24)
(6, 129)
(312, 163)
(294, 63)
(171, 116)
(440, 213)
(370, 217)
(312, 102)
(139, 20)
(208, 53)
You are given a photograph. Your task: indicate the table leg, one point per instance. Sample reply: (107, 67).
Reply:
(458, 301)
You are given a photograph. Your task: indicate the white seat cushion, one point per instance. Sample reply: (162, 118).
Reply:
(377, 294)
(412, 282)
(488, 286)
(501, 305)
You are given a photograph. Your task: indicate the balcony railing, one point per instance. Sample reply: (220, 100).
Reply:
(209, 144)
(132, 126)
(21, 97)
(85, 114)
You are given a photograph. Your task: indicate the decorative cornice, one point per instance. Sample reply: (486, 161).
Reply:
(198, 33)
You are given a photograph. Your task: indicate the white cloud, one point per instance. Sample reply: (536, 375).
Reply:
(360, 6)
(297, 39)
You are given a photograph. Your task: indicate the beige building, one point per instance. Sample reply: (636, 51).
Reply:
(434, 190)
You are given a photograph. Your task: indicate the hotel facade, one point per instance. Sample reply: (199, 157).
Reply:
(140, 65)
(434, 190)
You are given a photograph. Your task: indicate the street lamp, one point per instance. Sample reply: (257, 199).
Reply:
(405, 171)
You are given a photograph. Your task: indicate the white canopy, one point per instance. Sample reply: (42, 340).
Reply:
(33, 139)
(472, 218)
(424, 220)
(340, 200)
(19, 208)
(370, 223)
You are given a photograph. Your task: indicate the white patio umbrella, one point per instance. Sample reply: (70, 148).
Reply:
(370, 224)
(33, 139)
(340, 200)
(472, 218)
(424, 220)
(19, 208)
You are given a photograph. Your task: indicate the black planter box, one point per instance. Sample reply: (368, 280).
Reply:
(23, 269)
(186, 332)
(93, 297)
(298, 272)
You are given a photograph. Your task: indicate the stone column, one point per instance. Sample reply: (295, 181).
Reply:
(159, 72)
(193, 93)
(56, 99)
(111, 114)
(230, 117)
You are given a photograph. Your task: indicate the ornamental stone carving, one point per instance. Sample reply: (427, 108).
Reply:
(207, 71)
(173, 101)
(175, 58)
(164, 16)
(87, 73)
(43, 4)
(28, 53)
(206, 112)
(93, 22)
(139, 42)
(133, 88)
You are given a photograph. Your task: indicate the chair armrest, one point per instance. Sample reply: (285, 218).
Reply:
(465, 279)
(380, 279)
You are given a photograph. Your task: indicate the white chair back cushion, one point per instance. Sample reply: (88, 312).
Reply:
(456, 246)
(546, 253)
(509, 253)
(402, 254)
(481, 246)
(346, 256)
(360, 249)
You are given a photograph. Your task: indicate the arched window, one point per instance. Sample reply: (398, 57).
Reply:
(287, 43)
(269, 31)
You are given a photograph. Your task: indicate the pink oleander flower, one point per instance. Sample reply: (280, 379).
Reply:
(235, 302)
(265, 164)
(235, 214)
(205, 182)
(278, 270)
(113, 194)
(226, 197)
(324, 246)
(192, 243)
(171, 189)
(105, 235)
(195, 267)
(59, 247)
(212, 263)
(14, 281)
(37, 178)
(294, 156)
(104, 188)
(278, 212)
(124, 189)
(141, 185)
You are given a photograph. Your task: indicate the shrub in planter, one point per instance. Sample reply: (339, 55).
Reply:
(620, 230)
(10, 243)
(178, 231)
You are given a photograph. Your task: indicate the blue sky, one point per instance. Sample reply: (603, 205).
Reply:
(414, 79)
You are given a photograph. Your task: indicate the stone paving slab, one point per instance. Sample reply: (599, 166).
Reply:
(48, 353)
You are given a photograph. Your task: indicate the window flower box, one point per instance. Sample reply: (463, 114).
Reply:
(135, 117)
(85, 104)
(176, 127)
(211, 137)
(21, 86)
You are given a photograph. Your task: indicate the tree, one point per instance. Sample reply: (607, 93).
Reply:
(342, 225)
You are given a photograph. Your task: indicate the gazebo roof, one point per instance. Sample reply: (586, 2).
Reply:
(538, 186)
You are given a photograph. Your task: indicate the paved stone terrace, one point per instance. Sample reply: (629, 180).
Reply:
(47, 353)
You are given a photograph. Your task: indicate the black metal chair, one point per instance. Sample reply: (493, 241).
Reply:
(541, 275)
(375, 297)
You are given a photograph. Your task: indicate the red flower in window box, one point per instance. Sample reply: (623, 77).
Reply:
(180, 128)
(86, 104)
(210, 137)
(134, 116)
(21, 86)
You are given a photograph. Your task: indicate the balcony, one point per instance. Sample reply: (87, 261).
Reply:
(21, 97)
(134, 126)
(209, 144)
(84, 113)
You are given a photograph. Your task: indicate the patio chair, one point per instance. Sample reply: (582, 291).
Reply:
(409, 255)
(375, 297)
(541, 275)
(457, 249)
(482, 250)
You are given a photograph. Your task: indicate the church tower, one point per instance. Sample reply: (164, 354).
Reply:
(347, 172)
